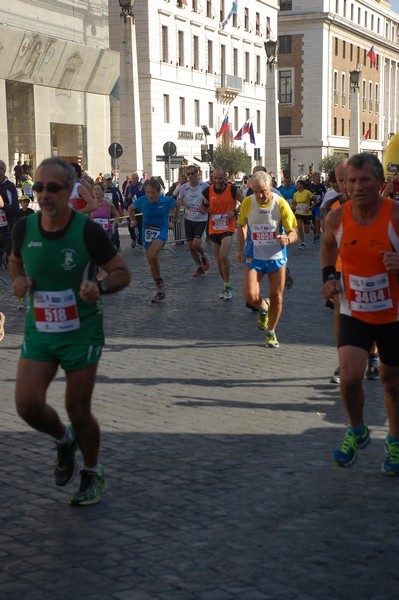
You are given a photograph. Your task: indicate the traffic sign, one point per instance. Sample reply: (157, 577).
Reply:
(115, 150)
(173, 160)
(169, 148)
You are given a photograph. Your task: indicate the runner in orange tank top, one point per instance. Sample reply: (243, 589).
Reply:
(365, 232)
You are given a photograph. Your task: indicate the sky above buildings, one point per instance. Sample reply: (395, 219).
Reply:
(395, 5)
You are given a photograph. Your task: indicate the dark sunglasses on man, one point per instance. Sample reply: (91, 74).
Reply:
(51, 187)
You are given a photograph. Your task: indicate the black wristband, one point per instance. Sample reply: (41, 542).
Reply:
(329, 273)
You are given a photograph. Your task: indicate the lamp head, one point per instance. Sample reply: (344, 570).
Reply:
(271, 48)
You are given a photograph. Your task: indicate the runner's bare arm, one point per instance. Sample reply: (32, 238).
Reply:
(118, 277)
(21, 283)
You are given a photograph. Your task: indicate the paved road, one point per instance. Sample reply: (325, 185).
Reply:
(218, 457)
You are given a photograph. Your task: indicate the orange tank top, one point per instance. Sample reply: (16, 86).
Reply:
(338, 263)
(370, 293)
(219, 206)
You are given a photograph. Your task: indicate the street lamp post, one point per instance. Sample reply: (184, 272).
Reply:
(130, 114)
(354, 137)
(272, 131)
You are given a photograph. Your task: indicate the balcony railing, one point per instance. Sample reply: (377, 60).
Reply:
(228, 87)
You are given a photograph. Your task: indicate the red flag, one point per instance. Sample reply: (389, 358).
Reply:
(366, 135)
(373, 58)
(224, 127)
(246, 128)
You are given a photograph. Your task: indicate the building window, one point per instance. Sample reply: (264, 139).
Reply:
(268, 28)
(235, 20)
(358, 55)
(370, 96)
(343, 90)
(335, 126)
(378, 25)
(285, 4)
(335, 88)
(284, 44)
(376, 131)
(372, 23)
(257, 24)
(336, 47)
(285, 87)
(377, 99)
(166, 113)
(342, 127)
(364, 57)
(365, 18)
(352, 14)
(344, 11)
(235, 62)
(247, 68)
(209, 9)
(364, 100)
(258, 117)
(182, 105)
(337, 6)
(210, 56)
(343, 49)
(247, 114)
(197, 113)
(246, 19)
(165, 44)
(221, 11)
(351, 52)
(285, 125)
(257, 76)
(195, 5)
(358, 15)
(236, 118)
(180, 58)
(196, 52)
(210, 115)
(223, 60)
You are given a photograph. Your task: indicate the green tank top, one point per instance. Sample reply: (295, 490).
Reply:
(58, 267)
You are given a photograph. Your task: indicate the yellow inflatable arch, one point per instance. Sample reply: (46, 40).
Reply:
(391, 158)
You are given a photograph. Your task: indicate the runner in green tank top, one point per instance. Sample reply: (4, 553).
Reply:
(54, 260)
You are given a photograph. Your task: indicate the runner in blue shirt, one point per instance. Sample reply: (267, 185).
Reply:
(155, 209)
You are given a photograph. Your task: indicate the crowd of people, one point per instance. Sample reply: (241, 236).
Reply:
(74, 233)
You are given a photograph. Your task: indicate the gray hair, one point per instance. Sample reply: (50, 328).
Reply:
(262, 178)
(70, 173)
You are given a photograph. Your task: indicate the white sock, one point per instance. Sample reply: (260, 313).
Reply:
(67, 437)
(91, 469)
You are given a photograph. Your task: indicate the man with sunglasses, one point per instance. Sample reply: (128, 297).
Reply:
(54, 260)
(195, 221)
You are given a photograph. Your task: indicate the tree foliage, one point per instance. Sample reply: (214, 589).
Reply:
(232, 158)
(330, 161)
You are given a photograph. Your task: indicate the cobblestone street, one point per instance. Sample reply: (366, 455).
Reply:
(217, 452)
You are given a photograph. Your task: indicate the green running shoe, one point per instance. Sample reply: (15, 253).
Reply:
(263, 317)
(92, 487)
(65, 465)
(390, 466)
(345, 455)
(271, 340)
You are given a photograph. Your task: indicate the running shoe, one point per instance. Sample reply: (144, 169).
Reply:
(315, 239)
(92, 487)
(263, 316)
(271, 340)
(65, 465)
(345, 455)
(372, 371)
(141, 248)
(335, 377)
(302, 246)
(228, 293)
(390, 466)
(289, 281)
(205, 262)
(200, 271)
(160, 295)
(133, 244)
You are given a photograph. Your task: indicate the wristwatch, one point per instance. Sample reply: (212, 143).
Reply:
(102, 286)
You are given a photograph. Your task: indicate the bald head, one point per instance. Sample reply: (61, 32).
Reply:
(340, 171)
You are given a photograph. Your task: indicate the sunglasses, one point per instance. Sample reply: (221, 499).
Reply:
(51, 187)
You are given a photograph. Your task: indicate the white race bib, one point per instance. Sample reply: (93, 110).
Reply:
(370, 294)
(151, 233)
(55, 312)
(263, 235)
(220, 222)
